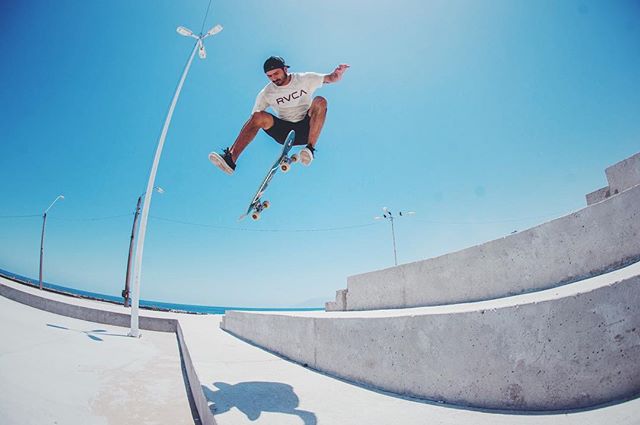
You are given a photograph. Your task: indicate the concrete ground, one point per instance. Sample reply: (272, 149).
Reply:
(58, 370)
(54, 369)
(251, 386)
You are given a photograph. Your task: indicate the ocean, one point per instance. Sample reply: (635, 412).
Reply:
(153, 305)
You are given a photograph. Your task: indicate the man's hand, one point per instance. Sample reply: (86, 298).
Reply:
(337, 74)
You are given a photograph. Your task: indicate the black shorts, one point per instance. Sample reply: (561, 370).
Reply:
(281, 128)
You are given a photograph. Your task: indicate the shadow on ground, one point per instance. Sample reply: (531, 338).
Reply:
(91, 334)
(253, 398)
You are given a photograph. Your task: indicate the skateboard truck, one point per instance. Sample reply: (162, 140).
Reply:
(255, 215)
(285, 165)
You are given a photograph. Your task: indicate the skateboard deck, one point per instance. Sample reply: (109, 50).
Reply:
(283, 162)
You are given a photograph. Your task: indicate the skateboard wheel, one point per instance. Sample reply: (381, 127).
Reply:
(266, 204)
(285, 167)
(295, 157)
(255, 216)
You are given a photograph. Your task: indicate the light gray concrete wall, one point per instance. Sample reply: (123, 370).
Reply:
(276, 332)
(624, 175)
(621, 176)
(598, 195)
(86, 313)
(340, 304)
(571, 352)
(596, 239)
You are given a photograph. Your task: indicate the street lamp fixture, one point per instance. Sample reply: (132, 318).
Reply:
(186, 32)
(213, 31)
(388, 215)
(202, 52)
(137, 266)
(44, 222)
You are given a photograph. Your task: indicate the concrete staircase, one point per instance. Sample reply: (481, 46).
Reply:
(545, 319)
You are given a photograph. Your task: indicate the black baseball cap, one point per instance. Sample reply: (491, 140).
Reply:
(274, 62)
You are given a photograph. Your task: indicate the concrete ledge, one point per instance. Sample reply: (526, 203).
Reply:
(340, 303)
(567, 348)
(158, 324)
(624, 175)
(195, 386)
(598, 195)
(85, 313)
(621, 176)
(594, 240)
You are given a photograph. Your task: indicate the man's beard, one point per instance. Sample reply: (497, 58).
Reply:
(282, 81)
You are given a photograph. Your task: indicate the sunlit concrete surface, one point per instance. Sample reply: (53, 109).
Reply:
(570, 347)
(54, 369)
(58, 370)
(251, 386)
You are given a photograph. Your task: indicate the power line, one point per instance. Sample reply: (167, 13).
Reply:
(275, 230)
(246, 229)
(20, 216)
(205, 17)
(111, 217)
(506, 220)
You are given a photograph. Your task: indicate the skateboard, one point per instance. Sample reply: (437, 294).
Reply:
(283, 163)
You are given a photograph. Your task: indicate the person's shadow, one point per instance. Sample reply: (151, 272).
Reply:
(93, 334)
(253, 398)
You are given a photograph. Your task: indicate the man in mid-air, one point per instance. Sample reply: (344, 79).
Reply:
(290, 95)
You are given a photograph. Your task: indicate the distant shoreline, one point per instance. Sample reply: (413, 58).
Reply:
(144, 304)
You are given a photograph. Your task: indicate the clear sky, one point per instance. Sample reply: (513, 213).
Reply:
(484, 117)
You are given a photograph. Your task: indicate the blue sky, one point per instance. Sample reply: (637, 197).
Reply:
(484, 117)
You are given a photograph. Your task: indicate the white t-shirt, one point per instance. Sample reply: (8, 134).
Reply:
(291, 102)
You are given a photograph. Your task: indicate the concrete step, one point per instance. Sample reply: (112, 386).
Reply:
(569, 347)
(592, 241)
(620, 176)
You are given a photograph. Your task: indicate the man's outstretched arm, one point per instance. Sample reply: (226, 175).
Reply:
(336, 75)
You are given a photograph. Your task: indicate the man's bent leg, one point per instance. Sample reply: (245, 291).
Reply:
(317, 114)
(258, 120)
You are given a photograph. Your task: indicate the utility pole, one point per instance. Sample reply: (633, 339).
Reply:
(44, 222)
(125, 292)
(388, 215)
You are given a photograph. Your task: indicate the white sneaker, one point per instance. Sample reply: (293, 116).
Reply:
(306, 155)
(224, 161)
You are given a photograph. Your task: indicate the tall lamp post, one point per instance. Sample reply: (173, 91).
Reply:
(125, 292)
(137, 270)
(388, 215)
(44, 222)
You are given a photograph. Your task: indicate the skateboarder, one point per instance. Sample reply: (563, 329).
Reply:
(290, 96)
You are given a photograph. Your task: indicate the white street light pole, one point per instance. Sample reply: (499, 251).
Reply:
(135, 299)
(44, 222)
(389, 216)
